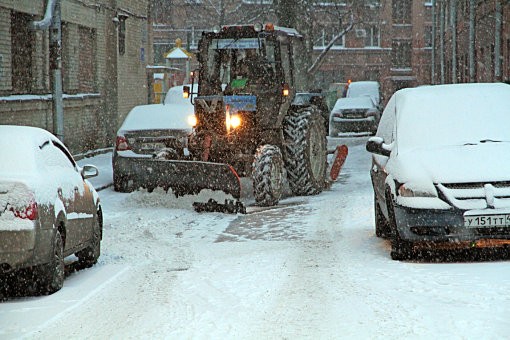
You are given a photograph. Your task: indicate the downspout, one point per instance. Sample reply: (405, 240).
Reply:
(52, 19)
(442, 37)
(453, 11)
(497, 43)
(472, 41)
(433, 56)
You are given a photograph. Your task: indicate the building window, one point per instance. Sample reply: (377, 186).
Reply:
(86, 60)
(373, 36)
(122, 33)
(401, 54)
(22, 49)
(258, 2)
(325, 36)
(372, 3)
(427, 36)
(372, 75)
(402, 11)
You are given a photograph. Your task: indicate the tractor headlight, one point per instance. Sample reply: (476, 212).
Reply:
(192, 120)
(235, 121)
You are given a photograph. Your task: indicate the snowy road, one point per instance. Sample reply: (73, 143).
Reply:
(311, 268)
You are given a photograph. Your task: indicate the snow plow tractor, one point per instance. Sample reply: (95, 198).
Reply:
(255, 113)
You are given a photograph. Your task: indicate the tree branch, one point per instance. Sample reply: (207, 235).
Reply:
(320, 58)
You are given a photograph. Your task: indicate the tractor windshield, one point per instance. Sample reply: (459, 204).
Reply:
(240, 63)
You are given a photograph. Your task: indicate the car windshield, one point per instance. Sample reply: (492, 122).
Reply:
(439, 116)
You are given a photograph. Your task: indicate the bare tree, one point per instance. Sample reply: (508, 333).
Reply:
(311, 17)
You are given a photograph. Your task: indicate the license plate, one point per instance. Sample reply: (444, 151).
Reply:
(153, 146)
(487, 221)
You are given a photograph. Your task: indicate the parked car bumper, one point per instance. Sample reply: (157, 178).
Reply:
(24, 248)
(355, 124)
(443, 226)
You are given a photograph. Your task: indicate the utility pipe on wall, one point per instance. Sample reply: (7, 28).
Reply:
(52, 19)
(497, 42)
(472, 41)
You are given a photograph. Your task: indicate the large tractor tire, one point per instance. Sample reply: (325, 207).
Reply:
(267, 175)
(305, 151)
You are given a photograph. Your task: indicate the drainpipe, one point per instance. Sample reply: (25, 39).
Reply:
(52, 20)
(441, 41)
(472, 41)
(453, 11)
(433, 56)
(497, 43)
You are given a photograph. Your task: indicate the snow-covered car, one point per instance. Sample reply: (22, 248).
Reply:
(358, 114)
(48, 208)
(149, 131)
(365, 88)
(440, 168)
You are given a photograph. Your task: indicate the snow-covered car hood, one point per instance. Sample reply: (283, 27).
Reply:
(353, 103)
(158, 117)
(453, 164)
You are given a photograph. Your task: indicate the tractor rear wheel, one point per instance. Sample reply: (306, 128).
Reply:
(305, 150)
(267, 175)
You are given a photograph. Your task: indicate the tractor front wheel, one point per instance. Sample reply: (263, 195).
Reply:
(267, 175)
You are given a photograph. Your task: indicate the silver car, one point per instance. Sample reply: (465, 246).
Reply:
(148, 133)
(48, 208)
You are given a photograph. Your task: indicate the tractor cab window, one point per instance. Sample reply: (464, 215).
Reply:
(238, 63)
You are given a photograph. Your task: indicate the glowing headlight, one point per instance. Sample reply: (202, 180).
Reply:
(192, 120)
(235, 121)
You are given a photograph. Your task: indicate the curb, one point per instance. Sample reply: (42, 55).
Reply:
(91, 153)
(102, 187)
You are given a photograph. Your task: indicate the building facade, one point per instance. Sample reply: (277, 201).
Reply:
(472, 41)
(103, 53)
(391, 41)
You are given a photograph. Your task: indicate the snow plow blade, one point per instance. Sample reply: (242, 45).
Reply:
(190, 177)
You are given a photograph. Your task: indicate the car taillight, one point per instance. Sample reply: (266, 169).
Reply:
(121, 144)
(29, 212)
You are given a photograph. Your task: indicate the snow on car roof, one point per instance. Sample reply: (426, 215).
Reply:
(171, 115)
(353, 103)
(17, 145)
(452, 114)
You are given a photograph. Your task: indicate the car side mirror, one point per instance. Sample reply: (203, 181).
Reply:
(89, 171)
(376, 145)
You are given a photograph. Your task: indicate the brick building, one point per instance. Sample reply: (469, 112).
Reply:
(472, 41)
(105, 48)
(391, 42)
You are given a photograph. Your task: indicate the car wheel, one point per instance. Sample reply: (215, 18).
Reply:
(400, 248)
(382, 228)
(51, 275)
(88, 256)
